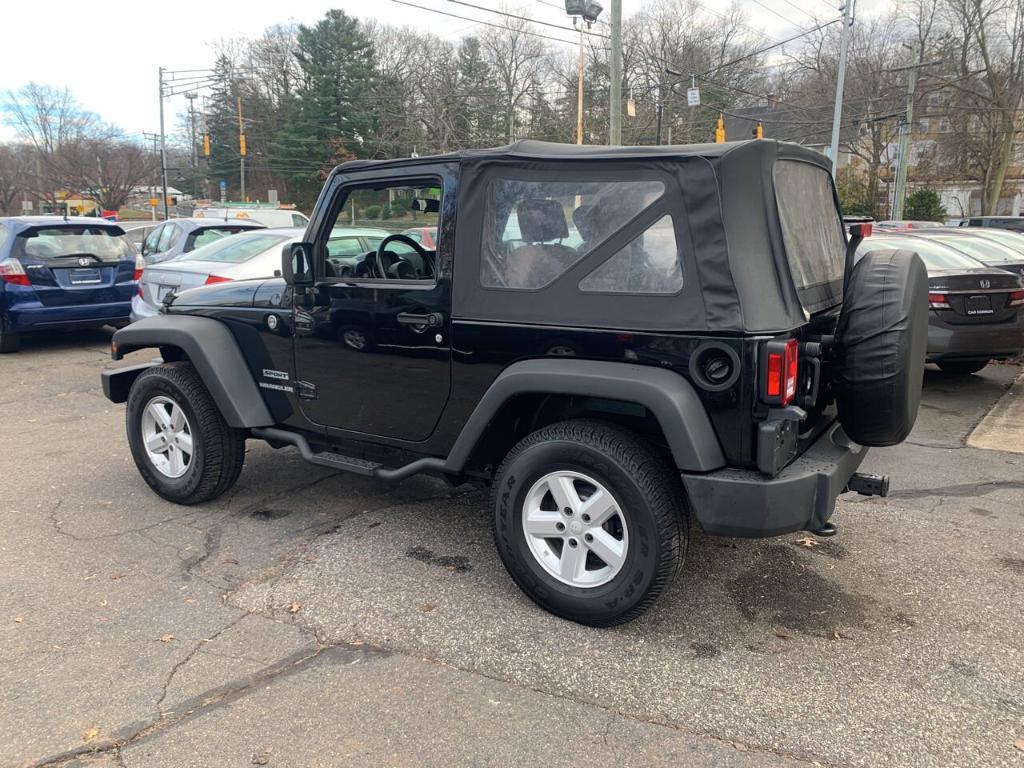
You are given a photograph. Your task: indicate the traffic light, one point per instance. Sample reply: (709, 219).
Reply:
(758, 132)
(241, 144)
(206, 145)
(720, 129)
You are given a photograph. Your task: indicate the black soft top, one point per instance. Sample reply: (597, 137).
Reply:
(737, 277)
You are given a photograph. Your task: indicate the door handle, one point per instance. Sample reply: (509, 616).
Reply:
(427, 320)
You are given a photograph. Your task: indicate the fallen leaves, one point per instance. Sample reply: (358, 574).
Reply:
(19, 619)
(90, 734)
(167, 639)
(427, 607)
(294, 607)
(116, 575)
(807, 542)
(1019, 744)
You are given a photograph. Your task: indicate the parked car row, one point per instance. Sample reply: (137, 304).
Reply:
(975, 289)
(77, 272)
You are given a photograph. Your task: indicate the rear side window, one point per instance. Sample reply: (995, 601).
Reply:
(209, 235)
(649, 264)
(168, 237)
(535, 231)
(299, 221)
(235, 250)
(812, 232)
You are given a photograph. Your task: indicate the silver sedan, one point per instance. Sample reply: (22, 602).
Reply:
(245, 256)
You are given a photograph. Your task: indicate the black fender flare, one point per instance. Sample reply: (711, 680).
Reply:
(211, 348)
(667, 395)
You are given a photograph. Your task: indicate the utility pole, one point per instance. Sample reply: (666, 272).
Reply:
(837, 114)
(908, 123)
(155, 138)
(657, 115)
(192, 96)
(579, 95)
(615, 74)
(163, 147)
(241, 149)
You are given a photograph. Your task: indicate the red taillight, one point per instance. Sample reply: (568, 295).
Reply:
(782, 372)
(939, 301)
(217, 279)
(1015, 299)
(773, 385)
(13, 273)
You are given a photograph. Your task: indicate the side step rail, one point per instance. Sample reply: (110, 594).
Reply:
(347, 463)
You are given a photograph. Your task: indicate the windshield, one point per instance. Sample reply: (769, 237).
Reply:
(54, 242)
(935, 255)
(1005, 237)
(981, 248)
(235, 249)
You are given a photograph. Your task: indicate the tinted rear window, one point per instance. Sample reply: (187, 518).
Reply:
(235, 250)
(812, 232)
(54, 242)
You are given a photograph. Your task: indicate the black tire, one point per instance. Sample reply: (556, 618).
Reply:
(218, 449)
(648, 491)
(962, 367)
(9, 341)
(881, 343)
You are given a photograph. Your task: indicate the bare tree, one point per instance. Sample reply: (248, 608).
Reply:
(15, 176)
(518, 58)
(984, 46)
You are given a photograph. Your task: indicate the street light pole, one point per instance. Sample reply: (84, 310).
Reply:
(582, 12)
(615, 74)
(908, 124)
(837, 114)
(192, 96)
(163, 147)
(579, 95)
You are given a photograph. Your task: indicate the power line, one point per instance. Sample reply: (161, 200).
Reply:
(485, 23)
(524, 18)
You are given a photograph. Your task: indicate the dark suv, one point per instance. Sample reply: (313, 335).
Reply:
(612, 339)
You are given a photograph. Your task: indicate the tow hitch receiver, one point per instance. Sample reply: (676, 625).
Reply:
(868, 485)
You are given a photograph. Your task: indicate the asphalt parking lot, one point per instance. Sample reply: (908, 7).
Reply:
(311, 618)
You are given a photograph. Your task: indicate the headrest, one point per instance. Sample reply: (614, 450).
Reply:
(541, 219)
(588, 223)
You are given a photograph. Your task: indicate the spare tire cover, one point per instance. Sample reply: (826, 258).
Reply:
(881, 343)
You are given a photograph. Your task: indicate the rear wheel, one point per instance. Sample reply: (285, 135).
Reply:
(962, 367)
(180, 442)
(9, 341)
(589, 521)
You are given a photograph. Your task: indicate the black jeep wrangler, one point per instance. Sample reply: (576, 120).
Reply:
(612, 339)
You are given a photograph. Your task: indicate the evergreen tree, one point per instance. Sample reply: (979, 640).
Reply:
(924, 205)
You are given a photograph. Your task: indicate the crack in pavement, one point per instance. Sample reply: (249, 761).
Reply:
(190, 655)
(210, 700)
(963, 490)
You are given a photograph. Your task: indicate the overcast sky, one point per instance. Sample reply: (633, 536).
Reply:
(108, 55)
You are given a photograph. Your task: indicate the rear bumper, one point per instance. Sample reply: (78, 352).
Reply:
(39, 317)
(974, 342)
(748, 503)
(140, 309)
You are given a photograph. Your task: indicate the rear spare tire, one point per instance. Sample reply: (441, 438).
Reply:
(881, 343)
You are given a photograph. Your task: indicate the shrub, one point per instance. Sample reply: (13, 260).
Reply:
(371, 211)
(924, 205)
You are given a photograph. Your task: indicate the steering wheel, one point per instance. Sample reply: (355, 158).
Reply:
(387, 259)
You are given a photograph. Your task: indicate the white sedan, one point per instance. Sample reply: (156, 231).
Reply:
(245, 256)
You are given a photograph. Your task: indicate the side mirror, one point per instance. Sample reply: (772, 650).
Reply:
(297, 264)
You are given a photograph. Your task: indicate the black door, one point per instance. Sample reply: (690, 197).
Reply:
(372, 335)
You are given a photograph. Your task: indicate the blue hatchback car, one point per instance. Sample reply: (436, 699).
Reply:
(58, 272)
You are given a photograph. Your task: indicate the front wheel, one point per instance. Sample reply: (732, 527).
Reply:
(962, 367)
(589, 520)
(179, 440)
